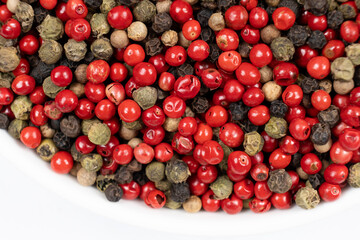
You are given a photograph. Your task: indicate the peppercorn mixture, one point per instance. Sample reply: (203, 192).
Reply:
(199, 104)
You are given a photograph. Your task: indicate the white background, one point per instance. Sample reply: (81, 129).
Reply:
(30, 211)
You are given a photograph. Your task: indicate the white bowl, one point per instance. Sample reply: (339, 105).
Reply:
(175, 221)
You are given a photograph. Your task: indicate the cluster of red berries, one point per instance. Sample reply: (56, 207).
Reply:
(231, 79)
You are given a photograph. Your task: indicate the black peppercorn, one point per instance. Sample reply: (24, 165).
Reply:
(123, 175)
(244, 49)
(113, 193)
(61, 140)
(330, 116)
(293, 5)
(320, 133)
(4, 121)
(55, 124)
(179, 192)
(295, 160)
(128, 2)
(247, 126)
(177, 171)
(140, 177)
(214, 52)
(309, 85)
(317, 8)
(279, 181)
(103, 181)
(93, 4)
(298, 34)
(41, 71)
(317, 40)
(238, 111)
(335, 19)
(134, 166)
(185, 69)
(270, 10)
(223, 5)
(203, 17)
(162, 22)
(207, 34)
(153, 47)
(200, 105)
(278, 109)
(40, 14)
(316, 180)
(70, 126)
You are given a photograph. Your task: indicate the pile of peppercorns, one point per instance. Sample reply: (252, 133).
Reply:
(200, 104)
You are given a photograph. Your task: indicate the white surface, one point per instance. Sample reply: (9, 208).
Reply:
(35, 202)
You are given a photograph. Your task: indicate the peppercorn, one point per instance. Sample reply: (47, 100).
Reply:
(50, 51)
(171, 124)
(222, 187)
(210, 4)
(169, 38)
(134, 142)
(103, 181)
(309, 85)
(307, 198)
(272, 91)
(61, 141)
(7, 42)
(317, 8)
(214, 53)
(163, 6)
(182, 41)
(177, 171)
(15, 127)
(155, 171)
(276, 127)
(278, 109)
(342, 69)
(41, 71)
(21, 107)
(244, 49)
(279, 181)
(126, 133)
(70, 126)
(6, 79)
(326, 85)
(354, 176)
(238, 111)
(323, 148)
(144, 11)
(107, 5)
(25, 15)
(330, 116)
(101, 48)
(353, 53)
(153, 47)
(162, 22)
(317, 40)
(170, 203)
(282, 48)
(320, 133)
(80, 73)
(348, 11)
(343, 87)
(185, 69)
(123, 175)
(193, 204)
(200, 105)
(206, 35)
(179, 192)
(128, 2)
(272, 3)
(270, 10)
(135, 125)
(91, 162)
(86, 125)
(99, 25)
(216, 22)
(295, 160)
(86, 178)
(50, 89)
(134, 166)
(113, 193)
(137, 31)
(247, 126)
(75, 153)
(4, 121)
(266, 74)
(119, 39)
(335, 19)
(298, 34)
(145, 96)
(47, 149)
(315, 180)
(75, 51)
(51, 28)
(99, 134)
(9, 59)
(40, 14)
(253, 143)
(269, 33)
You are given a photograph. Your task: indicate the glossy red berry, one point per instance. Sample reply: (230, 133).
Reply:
(232, 205)
(227, 39)
(61, 76)
(164, 152)
(191, 30)
(284, 18)
(181, 11)
(174, 106)
(29, 44)
(231, 135)
(259, 115)
(258, 17)
(239, 162)
(244, 189)
(134, 54)
(144, 153)
(144, 74)
(320, 100)
(76, 9)
(187, 87)
(299, 129)
(339, 155)
(176, 55)
(129, 110)
(260, 55)
(62, 162)
(336, 173)
(216, 116)
(97, 71)
(23, 84)
(293, 95)
(318, 67)
(310, 163)
(209, 202)
(281, 200)
(236, 17)
(349, 31)
(329, 192)
(11, 29)
(120, 17)
(66, 101)
(30, 137)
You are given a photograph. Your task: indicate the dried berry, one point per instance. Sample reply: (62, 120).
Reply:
(278, 109)
(99, 24)
(185, 69)
(91, 162)
(292, 4)
(317, 8)
(21, 107)
(283, 49)
(137, 31)
(93, 4)
(238, 111)
(113, 193)
(84, 177)
(15, 127)
(317, 40)
(216, 22)
(193, 204)
(134, 166)
(75, 153)
(99, 134)
(4, 121)
(269, 33)
(348, 11)
(203, 17)
(153, 47)
(62, 141)
(9, 59)
(244, 49)
(50, 51)
(40, 14)
(155, 171)
(145, 96)
(70, 126)
(140, 177)
(353, 53)
(320, 133)
(51, 28)
(200, 105)
(307, 198)
(103, 181)
(316, 180)
(343, 69)
(177, 171)
(102, 49)
(309, 85)
(222, 187)
(298, 34)
(247, 126)
(162, 22)
(47, 149)
(214, 52)
(144, 11)
(335, 19)
(276, 127)
(330, 116)
(179, 192)
(50, 89)
(169, 38)
(354, 175)
(253, 143)
(25, 15)
(123, 175)
(279, 181)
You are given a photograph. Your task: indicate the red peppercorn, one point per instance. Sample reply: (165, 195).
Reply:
(329, 192)
(339, 155)
(134, 54)
(321, 100)
(181, 144)
(318, 67)
(62, 162)
(83, 145)
(191, 30)
(66, 101)
(30, 137)
(166, 81)
(303, 54)
(289, 145)
(349, 31)
(293, 95)
(279, 159)
(247, 74)
(107, 149)
(156, 199)
(351, 116)
(11, 29)
(118, 72)
(174, 107)
(259, 206)
(350, 139)
(6, 96)
(229, 61)
(231, 135)
(262, 190)
(216, 116)
(239, 162)
(29, 44)
(85, 109)
(259, 172)
(259, 115)
(258, 17)
(97, 71)
(144, 74)
(159, 63)
(233, 90)
(244, 189)
(236, 17)
(186, 87)
(60, 11)
(299, 129)
(5, 14)
(129, 111)
(122, 154)
(227, 39)
(269, 143)
(76, 9)
(295, 112)
(336, 173)
(281, 200)
(250, 35)
(176, 55)
(144, 153)
(333, 49)
(51, 111)
(207, 173)
(204, 133)
(164, 152)
(181, 11)
(310, 163)
(232, 205)
(37, 96)
(198, 50)
(284, 18)
(294, 178)
(61, 76)
(130, 190)
(285, 74)
(153, 136)
(80, 29)
(23, 84)
(317, 22)
(260, 55)
(211, 78)
(209, 202)
(37, 115)
(22, 68)
(196, 186)
(120, 17)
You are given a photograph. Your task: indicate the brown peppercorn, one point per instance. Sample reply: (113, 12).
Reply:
(343, 87)
(272, 3)
(216, 21)
(134, 142)
(169, 38)
(153, 47)
(78, 89)
(85, 177)
(99, 25)
(303, 175)
(51, 28)
(126, 133)
(348, 11)
(103, 181)
(47, 131)
(102, 49)
(75, 51)
(137, 31)
(342, 69)
(75, 169)
(323, 148)
(272, 91)
(244, 49)
(134, 166)
(162, 22)
(269, 33)
(123, 175)
(113, 193)
(163, 185)
(119, 39)
(70, 126)
(50, 51)
(80, 73)
(9, 59)
(163, 6)
(12, 5)
(193, 204)
(171, 124)
(279, 181)
(177, 171)
(354, 176)
(6, 79)
(7, 42)
(266, 74)
(182, 41)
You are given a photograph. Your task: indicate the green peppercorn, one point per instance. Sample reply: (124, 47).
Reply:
(9, 59)
(86, 178)
(307, 198)
(193, 204)
(342, 69)
(103, 181)
(283, 49)
(170, 203)
(99, 134)
(135, 125)
(25, 15)
(74, 50)
(75, 153)
(253, 143)
(222, 187)
(177, 171)
(348, 11)
(353, 53)
(50, 89)
(155, 171)
(276, 127)
(144, 11)
(163, 185)
(16, 126)
(87, 123)
(6, 79)
(279, 181)
(91, 162)
(145, 96)
(50, 51)
(107, 5)
(51, 28)
(99, 24)
(102, 49)
(354, 176)
(47, 149)
(21, 107)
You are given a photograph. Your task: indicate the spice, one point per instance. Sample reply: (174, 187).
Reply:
(222, 187)
(75, 51)
(266, 74)
(276, 127)
(21, 107)
(62, 141)
(279, 181)
(330, 116)
(200, 105)
(309, 85)
(4, 121)
(171, 124)
(75, 169)
(50, 51)
(214, 53)
(134, 142)
(85, 177)
(40, 14)
(155, 171)
(123, 175)
(103, 181)
(75, 153)
(163, 6)
(317, 8)
(162, 22)
(119, 39)
(353, 53)
(25, 15)
(99, 134)
(163, 185)
(317, 40)
(244, 49)
(298, 34)
(135, 125)
(134, 166)
(170, 203)
(272, 91)
(70, 126)
(238, 111)
(177, 171)
(113, 193)
(41, 71)
(307, 198)
(9, 59)
(282, 48)
(354, 176)
(80, 73)
(86, 125)
(303, 175)
(51, 28)
(253, 143)
(335, 19)
(278, 109)
(144, 11)
(169, 38)
(126, 133)
(179, 192)
(272, 3)
(291, 4)
(348, 11)
(15, 127)
(93, 4)
(269, 33)
(137, 31)
(315, 180)
(145, 96)
(192, 205)
(107, 5)
(185, 69)
(6, 79)
(216, 22)
(91, 162)
(343, 87)
(153, 47)
(320, 133)
(247, 126)
(323, 148)
(101, 48)
(47, 149)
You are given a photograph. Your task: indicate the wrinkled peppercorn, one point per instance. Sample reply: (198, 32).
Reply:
(278, 109)
(9, 59)
(330, 116)
(140, 177)
(50, 51)
(185, 69)
(279, 181)
(283, 49)
(91, 162)
(144, 11)
(276, 127)
(155, 171)
(135, 125)
(353, 53)
(207, 34)
(75, 153)
(145, 96)
(6, 79)
(298, 34)
(295, 160)
(177, 171)
(200, 105)
(4, 121)
(84, 177)
(348, 11)
(179, 192)
(47, 149)
(123, 175)
(51, 28)
(103, 181)
(40, 14)
(163, 185)
(320, 133)
(93, 4)
(99, 24)
(21, 107)
(50, 89)
(334, 19)
(244, 49)
(309, 85)
(307, 198)
(41, 71)
(203, 16)
(162, 22)
(25, 15)
(128, 2)
(62, 141)
(269, 33)
(102, 49)
(70, 126)
(317, 8)
(16, 126)
(153, 47)
(317, 40)
(292, 4)
(113, 193)
(238, 111)
(316, 180)
(247, 126)
(214, 52)
(222, 187)
(253, 143)
(354, 175)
